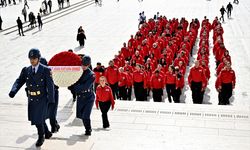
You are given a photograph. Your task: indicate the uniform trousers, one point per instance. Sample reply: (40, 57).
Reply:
(104, 107)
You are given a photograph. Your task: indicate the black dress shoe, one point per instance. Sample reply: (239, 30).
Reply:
(88, 132)
(106, 127)
(40, 141)
(55, 128)
(48, 135)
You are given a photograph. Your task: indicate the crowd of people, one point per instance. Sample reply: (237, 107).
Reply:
(226, 79)
(157, 57)
(153, 60)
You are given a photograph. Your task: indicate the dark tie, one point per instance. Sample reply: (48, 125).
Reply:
(33, 71)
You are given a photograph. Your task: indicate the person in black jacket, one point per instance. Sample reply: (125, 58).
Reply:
(39, 20)
(20, 26)
(229, 10)
(81, 37)
(222, 11)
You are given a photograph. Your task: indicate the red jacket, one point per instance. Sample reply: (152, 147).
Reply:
(104, 94)
(112, 74)
(179, 82)
(122, 79)
(98, 73)
(226, 76)
(125, 52)
(197, 75)
(138, 59)
(170, 78)
(129, 81)
(138, 76)
(219, 68)
(206, 71)
(157, 82)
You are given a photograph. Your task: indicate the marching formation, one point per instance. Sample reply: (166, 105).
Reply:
(155, 60)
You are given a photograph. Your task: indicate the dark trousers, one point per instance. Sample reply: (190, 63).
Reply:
(128, 93)
(170, 88)
(177, 95)
(25, 17)
(81, 42)
(157, 95)
(20, 30)
(122, 92)
(52, 109)
(114, 88)
(42, 129)
(139, 91)
(50, 9)
(196, 92)
(222, 17)
(0, 25)
(229, 13)
(40, 25)
(225, 94)
(95, 86)
(104, 107)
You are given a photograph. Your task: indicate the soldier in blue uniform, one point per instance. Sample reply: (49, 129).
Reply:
(85, 94)
(52, 108)
(40, 92)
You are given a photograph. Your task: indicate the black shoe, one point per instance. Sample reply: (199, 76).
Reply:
(88, 132)
(40, 141)
(48, 135)
(55, 128)
(106, 127)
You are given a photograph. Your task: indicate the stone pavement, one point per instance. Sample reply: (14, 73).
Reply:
(135, 125)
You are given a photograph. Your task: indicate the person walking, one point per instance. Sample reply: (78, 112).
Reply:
(40, 92)
(112, 73)
(229, 10)
(50, 5)
(20, 26)
(85, 94)
(170, 81)
(81, 37)
(52, 107)
(24, 13)
(222, 11)
(138, 81)
(197, 82)
(40, 23)
(104, 99)
(225, 84)
(157, 85)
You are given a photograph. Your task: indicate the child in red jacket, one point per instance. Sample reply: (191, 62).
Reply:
(104, 99)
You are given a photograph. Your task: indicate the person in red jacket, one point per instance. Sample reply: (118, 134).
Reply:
(170, 81)
(99, 71)
(104, 99)
(129, 84)
(179, 85)
(225, 84)
(197, 82)
(157, 85)
(122, 80)
(138, 80)
(111, 74)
